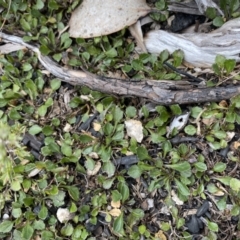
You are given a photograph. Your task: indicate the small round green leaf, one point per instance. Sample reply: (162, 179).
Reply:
(6, 226)
(219, 167)
(27, 232)
(235, 184)
(142, 229)
(66, 149)
(15, 185)
(134, 171)
(107, 184)
(190, 130)
(116, 196)
(43, 213)
(131, 111)
(200, 166)
(17, 212)
(67, 230)
(109, 168)
(124, 190)
(218, 21)
(212, 226)
(73, 192)
(55, 84)
(35, 129)
(118, 224)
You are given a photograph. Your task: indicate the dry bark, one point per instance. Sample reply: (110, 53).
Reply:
(200, 49)
(160, 91)
(196, 7)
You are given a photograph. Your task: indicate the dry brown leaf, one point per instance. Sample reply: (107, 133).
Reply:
(24, 162)
(160, 235)
(223, 104)
(230, 136)
(219, 193)
(176, 199)
(136, 32)
(209, 121)
(93, 155)
(190, 212)
(34, 172)
(95, 170)
(144, 205)
(101, 17)
(115, 212)
(96, 126)
(116, 204)
(236, 145)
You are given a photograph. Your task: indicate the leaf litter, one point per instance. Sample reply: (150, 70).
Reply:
(94, 18)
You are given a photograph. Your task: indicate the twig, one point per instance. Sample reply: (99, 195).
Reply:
(163, 92)
(182, 72)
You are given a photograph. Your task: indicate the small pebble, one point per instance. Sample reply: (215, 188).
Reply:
(203, 209)
(150, 203)
(208, 214)
(200, 223)
(5, 216)
(91, 227)
(192, 225)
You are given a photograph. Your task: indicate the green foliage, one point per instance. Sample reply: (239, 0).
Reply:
(177, 57)
(64, 175)
(190, 130)
(230, 8)
(6, 226)
(223, 66)
(9, 139)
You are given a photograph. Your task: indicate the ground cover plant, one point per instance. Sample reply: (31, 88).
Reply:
(80, 164)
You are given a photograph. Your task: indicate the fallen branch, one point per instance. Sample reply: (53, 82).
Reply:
(160, 91)
(200, 49)
(197, 7)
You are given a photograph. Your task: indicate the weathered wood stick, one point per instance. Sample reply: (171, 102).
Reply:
(164, 92)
